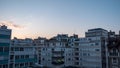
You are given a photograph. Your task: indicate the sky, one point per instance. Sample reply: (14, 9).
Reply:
(47, 18)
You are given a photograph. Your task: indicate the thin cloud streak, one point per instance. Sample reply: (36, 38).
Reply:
(11, 24)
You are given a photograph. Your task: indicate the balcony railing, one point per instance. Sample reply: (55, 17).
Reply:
(113, 54)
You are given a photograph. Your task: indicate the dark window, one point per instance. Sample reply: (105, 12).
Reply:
(115, 60)
(43, 49)
(97, 49)
(76, 63)
(77, 54)
(21, 64)
(2, 36)
(22, 56)
(27, 56)
(96, 43)
(11, 57)
(26, 64)
(6, 49)
(21, 49)
(16, 65)
(16, 57)
(1, 49)
(80, 58)
(12, 48)
(43, 59)
(69, 59)
(114, 50)
(76, 58)
(31, 63)
(76, 49)
(16, 49)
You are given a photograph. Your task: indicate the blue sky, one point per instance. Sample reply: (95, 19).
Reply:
(47, 18)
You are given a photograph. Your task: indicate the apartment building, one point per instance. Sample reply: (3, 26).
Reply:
(99, 37)
(5, 37)
(56, 52)
(90, 51)
(113, 50)
(22, 53)
(38, 44)
(98, 49)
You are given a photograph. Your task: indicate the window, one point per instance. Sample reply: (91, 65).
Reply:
(16, 65)
(1, 49)
(76, 58)
(17, 57)
(39, 61)
(88, 54)
(43, 59)
(97, 49)
(76, 63)
(96, 43)
(31, 63)
(26, 64)
(21, 64)
(76, 49)
(12, 48)
(76, 44)
(16, 49)
(21, 49)
(92, 44)
(5, 66)
(114, 60)
(115, 52)
(22, 56)
(26, 56)
(69, 59)
(11, 57)
(43, 49)
(80, 58)
(77, 54)
(84, 54)
(6, 49)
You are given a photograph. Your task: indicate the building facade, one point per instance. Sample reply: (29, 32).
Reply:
(22, 53)
(5, 37)
(88, 52)
(113, 50)
(56, 53)
(98, 49)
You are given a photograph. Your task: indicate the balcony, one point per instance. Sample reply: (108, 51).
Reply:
(57, 63)
(58, 52)
(58, 60)
(113, 54)
(57, 57)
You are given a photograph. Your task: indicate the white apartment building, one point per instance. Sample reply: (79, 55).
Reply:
(89, 53)
(92, 49)
(56, 53)
(22, 53)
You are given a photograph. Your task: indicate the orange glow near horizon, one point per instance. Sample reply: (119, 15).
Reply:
(33, 36)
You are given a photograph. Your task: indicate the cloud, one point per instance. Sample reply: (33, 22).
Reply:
(11, 24)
